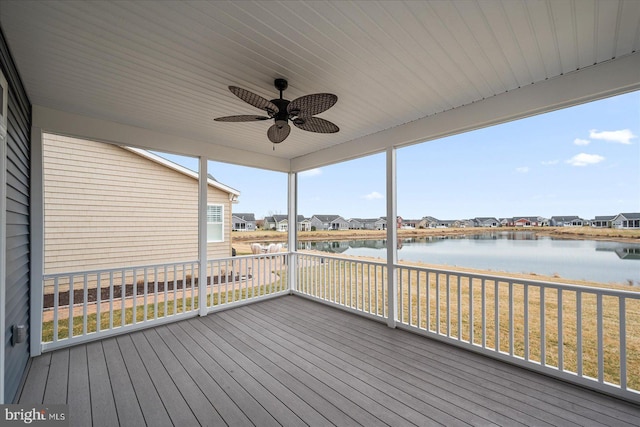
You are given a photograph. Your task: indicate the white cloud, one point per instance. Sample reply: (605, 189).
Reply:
(584, 159)
(579, 141)
(550, 162)
(373, 195)
(522, 169)
(623, 136)
(311, 172)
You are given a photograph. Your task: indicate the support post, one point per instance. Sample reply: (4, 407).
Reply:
(392, 238)
(37, 242)
(203, 188)
(292, 229)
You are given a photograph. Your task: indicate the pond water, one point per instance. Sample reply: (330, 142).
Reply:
(516, 252)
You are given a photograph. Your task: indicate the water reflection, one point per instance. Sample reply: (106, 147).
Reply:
(626, 253)
(509, 251)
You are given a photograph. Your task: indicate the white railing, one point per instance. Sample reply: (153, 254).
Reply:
(352, 284)
(94, 304)
(238, 280)
(586, 335)
(87, 305)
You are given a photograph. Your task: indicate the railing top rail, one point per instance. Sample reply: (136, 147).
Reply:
(114, 270)
(250, 256)
(563, 286)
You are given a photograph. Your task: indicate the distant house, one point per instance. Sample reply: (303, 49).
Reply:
(566, 221)
(410, 223)
(526, 221)
(243, 222)
(486, 222)
(281, 222)
(428, 222)
(355, 224)
(304, 224)
(131, 207)
(367, 224)
(329, 222)
(626, 221)
(602, 221)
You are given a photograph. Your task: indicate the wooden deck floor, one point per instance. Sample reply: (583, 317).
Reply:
(290, 361)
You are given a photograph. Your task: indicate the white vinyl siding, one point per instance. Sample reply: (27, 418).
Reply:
(215, 223)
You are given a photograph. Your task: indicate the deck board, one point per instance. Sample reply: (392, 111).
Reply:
(103, 405)
(541, 392)
(290, 361)
(57, 380)
(451, 385)
(126, 401)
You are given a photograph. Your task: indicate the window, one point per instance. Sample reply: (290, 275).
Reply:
(215, 223)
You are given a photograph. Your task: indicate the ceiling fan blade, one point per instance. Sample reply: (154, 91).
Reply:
(241, 118)
(277, 133)
(255, 100)
(310, 105)
(315, 124)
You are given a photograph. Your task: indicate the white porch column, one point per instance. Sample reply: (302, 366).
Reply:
(203, 188)
(37, 241)
(392, 237)
(292, 237)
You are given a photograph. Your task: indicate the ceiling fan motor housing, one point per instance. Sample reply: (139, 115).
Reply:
(282, 115)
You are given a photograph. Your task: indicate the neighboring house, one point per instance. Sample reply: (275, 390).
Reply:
(243, 222)
(602, 221)
(626, 221)
(280, 222)
(411, 223)
(380, 224)
(566, 221)
(304, 224)
(355, 224)
(276, 222)
(486, 222)
(329, 222)
(130, 207)
(526, 221)
(367, 224)
(428, 222)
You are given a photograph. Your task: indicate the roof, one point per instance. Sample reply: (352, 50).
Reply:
(185, 171)
(564, 218)
(485, 218)
(280, 218)
(634, 215)
(245, 216)
(326, 218)
(604, 218)
(154, 74)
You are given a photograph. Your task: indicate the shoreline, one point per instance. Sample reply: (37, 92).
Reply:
(241, 241)
(578, 233)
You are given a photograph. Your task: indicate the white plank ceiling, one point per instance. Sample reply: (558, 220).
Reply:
(166, 66)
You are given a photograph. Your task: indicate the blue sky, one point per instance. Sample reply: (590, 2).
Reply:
(583, 161)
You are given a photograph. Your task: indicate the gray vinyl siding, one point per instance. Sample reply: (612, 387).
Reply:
(18, 239)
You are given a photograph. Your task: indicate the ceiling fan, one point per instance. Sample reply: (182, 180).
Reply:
(300, 112)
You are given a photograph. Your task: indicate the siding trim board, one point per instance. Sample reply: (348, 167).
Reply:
(3, 232)
(15, 220)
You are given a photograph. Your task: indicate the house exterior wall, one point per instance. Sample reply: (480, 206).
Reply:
(17, 238)
(319, 225)
(108, 207)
